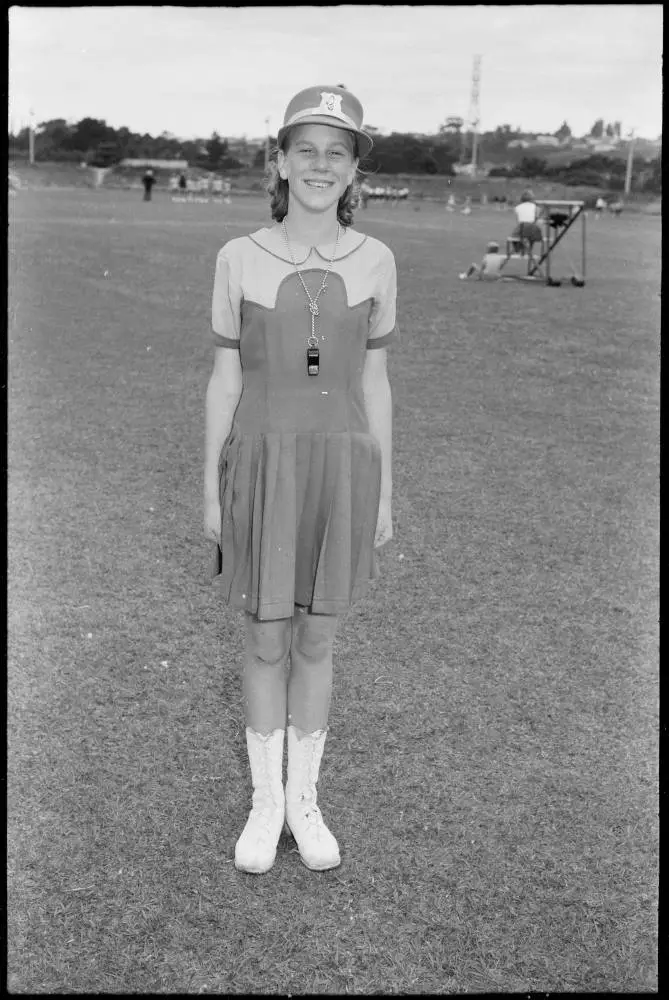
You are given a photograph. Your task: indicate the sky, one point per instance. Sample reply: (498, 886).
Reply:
(190, 71)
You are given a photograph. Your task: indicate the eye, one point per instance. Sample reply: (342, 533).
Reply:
(336, 152)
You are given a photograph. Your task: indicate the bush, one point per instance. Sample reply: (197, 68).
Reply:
(584, 178)
(51, 155)
(531, 166)
(230, 163)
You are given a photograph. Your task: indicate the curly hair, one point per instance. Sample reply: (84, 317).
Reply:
(277, 188)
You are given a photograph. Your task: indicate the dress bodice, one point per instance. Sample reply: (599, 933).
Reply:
(278, 394)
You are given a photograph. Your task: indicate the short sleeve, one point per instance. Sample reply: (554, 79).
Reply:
(382, 321)
(226, 301)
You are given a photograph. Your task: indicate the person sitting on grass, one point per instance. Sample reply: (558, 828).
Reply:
(490, 268)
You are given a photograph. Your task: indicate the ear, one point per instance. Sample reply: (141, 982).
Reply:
(281, 164)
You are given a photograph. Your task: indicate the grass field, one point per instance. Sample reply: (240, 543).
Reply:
(491, 771)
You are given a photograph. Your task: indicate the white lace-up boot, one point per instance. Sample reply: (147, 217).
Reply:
(318, 848)
(255, 850)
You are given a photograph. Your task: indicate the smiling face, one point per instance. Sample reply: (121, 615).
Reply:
(319, 164)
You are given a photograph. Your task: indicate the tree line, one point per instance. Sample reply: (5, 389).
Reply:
(93, 141)
(98, 144)
(596, 170)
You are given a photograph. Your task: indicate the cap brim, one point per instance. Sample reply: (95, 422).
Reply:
(365, 143)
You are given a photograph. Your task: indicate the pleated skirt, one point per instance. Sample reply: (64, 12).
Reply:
(298, 519)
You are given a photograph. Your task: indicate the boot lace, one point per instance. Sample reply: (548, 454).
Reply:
(313, 817)
(263, 807)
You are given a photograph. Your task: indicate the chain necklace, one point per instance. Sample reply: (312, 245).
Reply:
(313, 353)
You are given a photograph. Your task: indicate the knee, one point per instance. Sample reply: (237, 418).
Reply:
(268, 643)
(313, 636)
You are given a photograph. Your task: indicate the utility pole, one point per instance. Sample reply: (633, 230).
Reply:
(630, 163)
(474, 111)
(31, 137)
(266, 143)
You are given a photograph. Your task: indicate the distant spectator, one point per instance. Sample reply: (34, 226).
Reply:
(174, 183)
(600, 206)
(148, 180)
(450, 204)
(490, 268)
(616, 206)
(183, 183)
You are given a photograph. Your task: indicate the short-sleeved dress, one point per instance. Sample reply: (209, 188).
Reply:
(300, 472)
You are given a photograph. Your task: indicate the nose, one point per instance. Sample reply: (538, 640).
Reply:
(321, 160)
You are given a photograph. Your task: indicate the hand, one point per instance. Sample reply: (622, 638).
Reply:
(384, 524)
(212, 521)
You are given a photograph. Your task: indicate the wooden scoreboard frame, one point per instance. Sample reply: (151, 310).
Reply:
(558, 216)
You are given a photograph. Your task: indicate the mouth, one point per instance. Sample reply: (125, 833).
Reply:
(320, 185)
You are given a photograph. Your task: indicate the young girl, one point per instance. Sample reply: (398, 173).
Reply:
(527, 231)
(298, 453)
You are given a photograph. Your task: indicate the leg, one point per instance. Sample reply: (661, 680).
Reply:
(265, 673)
(310, 681)
(530, 254)
(309, 692)
(264, 683)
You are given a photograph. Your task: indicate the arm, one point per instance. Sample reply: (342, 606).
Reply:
(223, 393)
(378, 407)
(376, 388)
(225, 384)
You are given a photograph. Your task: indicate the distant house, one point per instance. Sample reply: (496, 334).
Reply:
(468, 170)
(547, 140)
(518, 144)
(605, 147)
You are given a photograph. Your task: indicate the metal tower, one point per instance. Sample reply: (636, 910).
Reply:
(474, 111)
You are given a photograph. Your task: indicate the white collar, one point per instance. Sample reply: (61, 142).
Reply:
(271, 239)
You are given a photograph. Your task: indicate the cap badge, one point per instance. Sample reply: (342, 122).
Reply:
(331, 103)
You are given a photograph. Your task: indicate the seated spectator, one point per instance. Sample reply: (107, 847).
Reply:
(490, 268)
